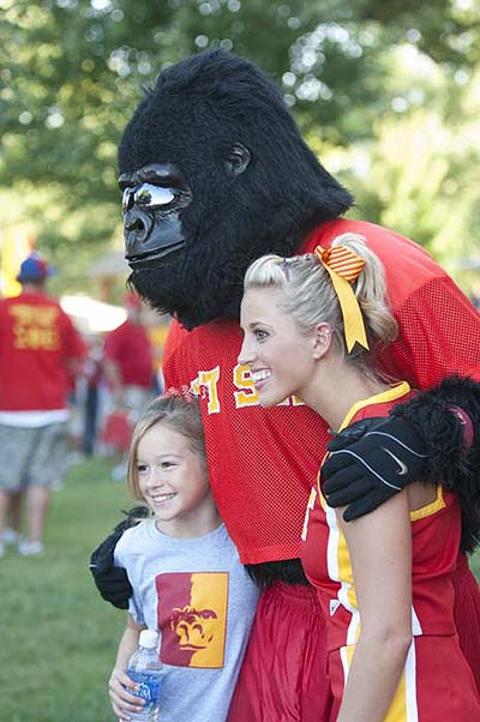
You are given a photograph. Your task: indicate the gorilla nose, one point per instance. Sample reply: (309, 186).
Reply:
(137, 226)
(139, 223)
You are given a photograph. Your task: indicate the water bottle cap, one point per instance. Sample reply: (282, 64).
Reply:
(148, 638)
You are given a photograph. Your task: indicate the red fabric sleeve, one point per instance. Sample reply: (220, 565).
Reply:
(439, 335)
(439, 326)
(171, 367)
(75, 348)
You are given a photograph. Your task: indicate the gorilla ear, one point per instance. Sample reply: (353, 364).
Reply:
(236, 159)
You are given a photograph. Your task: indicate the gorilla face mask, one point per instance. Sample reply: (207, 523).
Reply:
(152, 199)
(214, 174)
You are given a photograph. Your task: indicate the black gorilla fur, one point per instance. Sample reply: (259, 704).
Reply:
(444, 444)
(197, 111)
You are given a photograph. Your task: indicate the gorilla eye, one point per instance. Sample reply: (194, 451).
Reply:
(149, 196)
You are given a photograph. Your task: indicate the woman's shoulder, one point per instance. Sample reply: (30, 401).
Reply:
(381, 404)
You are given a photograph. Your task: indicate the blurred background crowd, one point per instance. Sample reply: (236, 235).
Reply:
(70, 387)
(101, 403)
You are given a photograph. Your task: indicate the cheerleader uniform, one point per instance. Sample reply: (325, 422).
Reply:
(437, 683)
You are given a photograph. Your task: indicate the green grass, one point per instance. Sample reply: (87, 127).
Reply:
(58, 638)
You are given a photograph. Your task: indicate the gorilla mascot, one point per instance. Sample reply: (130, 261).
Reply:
(215, 174)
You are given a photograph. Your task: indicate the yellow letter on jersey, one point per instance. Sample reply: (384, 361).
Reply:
(209, 380)
(247, 396)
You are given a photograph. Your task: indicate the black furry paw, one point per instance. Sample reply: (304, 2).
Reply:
(111, 581)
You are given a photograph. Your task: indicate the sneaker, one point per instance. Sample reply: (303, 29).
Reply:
(56, 485)
(10, 536)
(30, 548)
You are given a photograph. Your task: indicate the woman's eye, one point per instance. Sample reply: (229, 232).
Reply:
(141, 468)
(260, 334)
(167, 464)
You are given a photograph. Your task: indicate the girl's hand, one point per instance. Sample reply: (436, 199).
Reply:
(121, 690)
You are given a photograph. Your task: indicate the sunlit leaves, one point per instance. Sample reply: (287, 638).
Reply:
(355, 75)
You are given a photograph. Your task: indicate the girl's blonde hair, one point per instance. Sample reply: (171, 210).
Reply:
(310, 298)
(180, 414)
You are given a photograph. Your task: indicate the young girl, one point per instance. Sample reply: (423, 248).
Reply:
(384, 580)
(187, 580)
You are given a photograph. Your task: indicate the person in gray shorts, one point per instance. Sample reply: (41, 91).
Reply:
(33, 460)
(40, 352)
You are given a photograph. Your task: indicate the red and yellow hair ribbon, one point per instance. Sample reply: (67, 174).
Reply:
(344, 267)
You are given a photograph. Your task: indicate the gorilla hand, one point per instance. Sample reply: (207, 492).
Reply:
(111, 581)
(371, 461)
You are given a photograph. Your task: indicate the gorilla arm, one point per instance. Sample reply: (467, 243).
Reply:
(112, 581)
(433, 437)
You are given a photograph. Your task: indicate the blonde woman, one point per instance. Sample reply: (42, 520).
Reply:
(384, 580)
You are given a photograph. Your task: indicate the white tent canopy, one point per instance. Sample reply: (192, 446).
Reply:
(110, 264)
(91, 316)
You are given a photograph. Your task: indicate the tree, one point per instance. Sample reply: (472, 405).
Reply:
(72, 72)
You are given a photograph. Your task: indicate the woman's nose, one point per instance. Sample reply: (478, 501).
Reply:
(245, 356)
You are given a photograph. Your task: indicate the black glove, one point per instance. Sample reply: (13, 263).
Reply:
(448, 418)
(111, 581)
(371, 461)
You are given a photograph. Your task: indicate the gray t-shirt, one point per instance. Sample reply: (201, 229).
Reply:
(197, 594)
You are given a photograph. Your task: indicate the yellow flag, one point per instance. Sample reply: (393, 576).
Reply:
(17, 244)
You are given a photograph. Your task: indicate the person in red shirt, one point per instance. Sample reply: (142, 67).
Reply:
(129, 369)
(262, 462)
(128, 360)
(39, 350)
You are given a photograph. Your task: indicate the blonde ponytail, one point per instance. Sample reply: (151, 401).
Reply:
(370, 289)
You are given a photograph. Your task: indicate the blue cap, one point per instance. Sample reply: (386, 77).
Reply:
(34, 268)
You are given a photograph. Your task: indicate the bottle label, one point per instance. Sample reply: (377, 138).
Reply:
(149, 687)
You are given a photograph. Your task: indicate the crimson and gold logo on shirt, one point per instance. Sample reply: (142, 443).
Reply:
(192, 617)
(35, 327)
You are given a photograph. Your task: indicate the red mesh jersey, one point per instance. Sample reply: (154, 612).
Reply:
(263, 461)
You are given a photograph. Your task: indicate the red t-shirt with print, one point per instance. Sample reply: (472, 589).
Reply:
(37, 342)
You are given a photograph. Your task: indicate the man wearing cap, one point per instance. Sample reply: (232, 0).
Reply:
(39, 351)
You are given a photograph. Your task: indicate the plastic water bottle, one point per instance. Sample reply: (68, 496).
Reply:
(145, 668)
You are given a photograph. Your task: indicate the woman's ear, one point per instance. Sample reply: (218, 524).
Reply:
(322, 339)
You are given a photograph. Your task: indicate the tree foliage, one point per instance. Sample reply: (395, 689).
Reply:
(73, 70)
